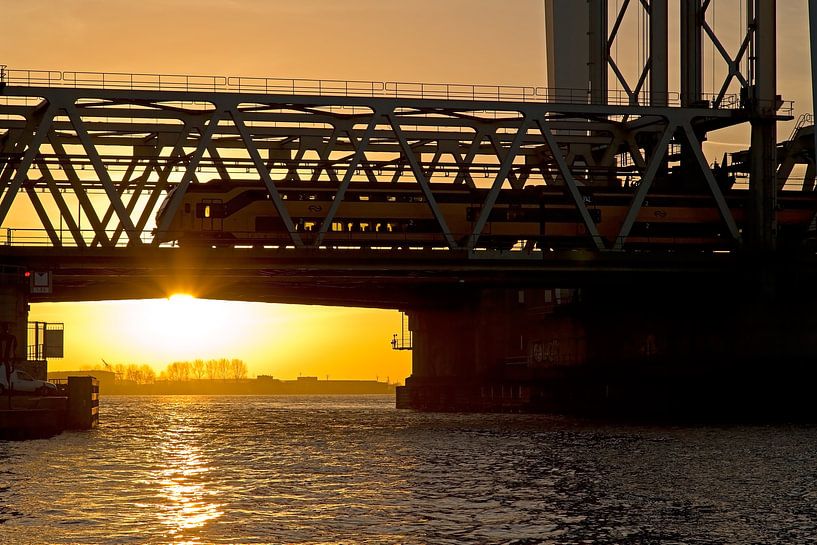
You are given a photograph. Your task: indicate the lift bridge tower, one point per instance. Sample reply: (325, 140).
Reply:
(590, 64)
(738, 337)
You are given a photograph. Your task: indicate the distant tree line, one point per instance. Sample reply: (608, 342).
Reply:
(140, 374)
(182, 371)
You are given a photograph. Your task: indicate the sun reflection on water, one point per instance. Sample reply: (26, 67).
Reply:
(186, 499)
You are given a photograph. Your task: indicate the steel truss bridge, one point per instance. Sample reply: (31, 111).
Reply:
(95, 156)
(129, 146)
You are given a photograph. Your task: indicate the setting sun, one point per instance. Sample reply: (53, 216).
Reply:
(182, 326)
(280, 340)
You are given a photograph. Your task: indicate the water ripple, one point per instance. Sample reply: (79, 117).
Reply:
(243, 470)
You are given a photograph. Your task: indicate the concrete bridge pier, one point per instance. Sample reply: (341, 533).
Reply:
(688, 349)
(14, 309)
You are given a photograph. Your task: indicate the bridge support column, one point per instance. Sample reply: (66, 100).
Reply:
(689, 350)
(14, 309)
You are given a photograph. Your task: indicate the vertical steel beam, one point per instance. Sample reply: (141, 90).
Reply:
(812, 18)
(659, 53)
(762, 224)
(691, 52)
(599, 51)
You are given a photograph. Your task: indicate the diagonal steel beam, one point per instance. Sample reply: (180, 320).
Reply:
(641, 81)
(435, 162)
(65, 211)
(422, 179)
(733, 65)
(82, 196)
(139, 187)
(359, 155)
(292, 165)
(501, 176)
(175, 157)
(283, 213)
(367, 168)
(617, 25)
(734, 70)
(31, 153)
(212, 149)
(43, 215)
(465, 164)
(120, 190)
(189, 173)
(399, 168)
(324, 155)
(14, 142)
(570, 182)
(621, 78)
(544, 169)
(497, 145)
(723, 207)
(644, 186)
(102, 173)
(635, 153)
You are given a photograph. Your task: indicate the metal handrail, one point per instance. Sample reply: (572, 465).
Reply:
(136, 81)
(324, 87)
(802, 121)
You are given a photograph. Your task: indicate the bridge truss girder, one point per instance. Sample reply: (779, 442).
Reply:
(117, 153)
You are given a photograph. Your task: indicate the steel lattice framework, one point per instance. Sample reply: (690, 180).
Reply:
(115, 152)
(113, 149)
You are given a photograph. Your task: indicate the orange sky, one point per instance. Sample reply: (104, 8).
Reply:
(462, 41)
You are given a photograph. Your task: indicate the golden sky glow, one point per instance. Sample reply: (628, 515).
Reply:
(460, 41)
(280, 340)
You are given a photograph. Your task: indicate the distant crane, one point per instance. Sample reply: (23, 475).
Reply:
(109, 367)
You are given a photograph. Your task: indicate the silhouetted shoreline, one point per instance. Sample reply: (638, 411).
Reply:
(262, 385)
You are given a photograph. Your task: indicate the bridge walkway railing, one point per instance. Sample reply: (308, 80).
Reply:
(326, 87)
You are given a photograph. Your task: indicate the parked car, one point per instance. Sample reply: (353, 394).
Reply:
(25, 383)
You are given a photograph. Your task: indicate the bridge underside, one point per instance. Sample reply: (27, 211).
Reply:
(396, 280)
(695, 351)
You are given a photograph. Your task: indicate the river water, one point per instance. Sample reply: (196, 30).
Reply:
(317, 470)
